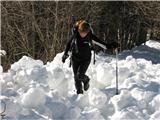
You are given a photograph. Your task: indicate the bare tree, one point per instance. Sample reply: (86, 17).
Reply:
(40, 29)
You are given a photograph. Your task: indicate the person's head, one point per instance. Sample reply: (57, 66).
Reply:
(83, 28)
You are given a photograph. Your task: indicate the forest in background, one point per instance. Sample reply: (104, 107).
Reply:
(41, 29)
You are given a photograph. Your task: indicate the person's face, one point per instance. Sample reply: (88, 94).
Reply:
(83, 34)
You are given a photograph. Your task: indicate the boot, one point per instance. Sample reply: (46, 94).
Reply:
(80, 91)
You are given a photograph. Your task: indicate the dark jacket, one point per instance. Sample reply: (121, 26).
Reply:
(81, 47)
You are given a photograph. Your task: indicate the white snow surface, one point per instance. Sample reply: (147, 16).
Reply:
(32, 90)
(2, 52)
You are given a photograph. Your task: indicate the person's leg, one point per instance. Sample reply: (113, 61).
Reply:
(78, 83)
(75, 66)
(81, 73)
(86, 83)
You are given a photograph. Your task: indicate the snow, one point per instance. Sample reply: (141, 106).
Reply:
(34, 90)
(2, 53)
(34, 97)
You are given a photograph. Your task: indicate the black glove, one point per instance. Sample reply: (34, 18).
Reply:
(64, 57)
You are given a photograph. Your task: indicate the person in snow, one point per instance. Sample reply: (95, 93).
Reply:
(80, 45)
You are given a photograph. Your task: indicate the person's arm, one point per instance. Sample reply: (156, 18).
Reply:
(98, 42)
(102, 44)
(68, 46)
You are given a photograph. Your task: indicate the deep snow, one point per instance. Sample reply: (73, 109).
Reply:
(32, 90)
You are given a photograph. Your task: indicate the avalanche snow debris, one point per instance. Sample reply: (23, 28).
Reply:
(32, 90)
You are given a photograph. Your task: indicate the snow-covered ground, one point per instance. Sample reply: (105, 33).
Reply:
(32, 90)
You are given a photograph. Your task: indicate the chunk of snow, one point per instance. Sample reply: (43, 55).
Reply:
(34, 97)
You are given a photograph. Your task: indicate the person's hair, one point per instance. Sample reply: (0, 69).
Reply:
(83, 26)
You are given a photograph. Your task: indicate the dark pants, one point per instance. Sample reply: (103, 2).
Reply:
(79, 68)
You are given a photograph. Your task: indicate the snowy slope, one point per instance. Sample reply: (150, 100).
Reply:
(32, 90)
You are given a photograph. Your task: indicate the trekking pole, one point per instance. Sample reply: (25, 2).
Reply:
(70, 64)
(4, 109)
(73, 30)
(116, 51)
(94, 57)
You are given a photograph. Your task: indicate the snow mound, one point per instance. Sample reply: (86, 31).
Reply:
(26, 63)
(32, 90)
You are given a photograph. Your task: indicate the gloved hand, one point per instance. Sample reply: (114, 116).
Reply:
(64, 57)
